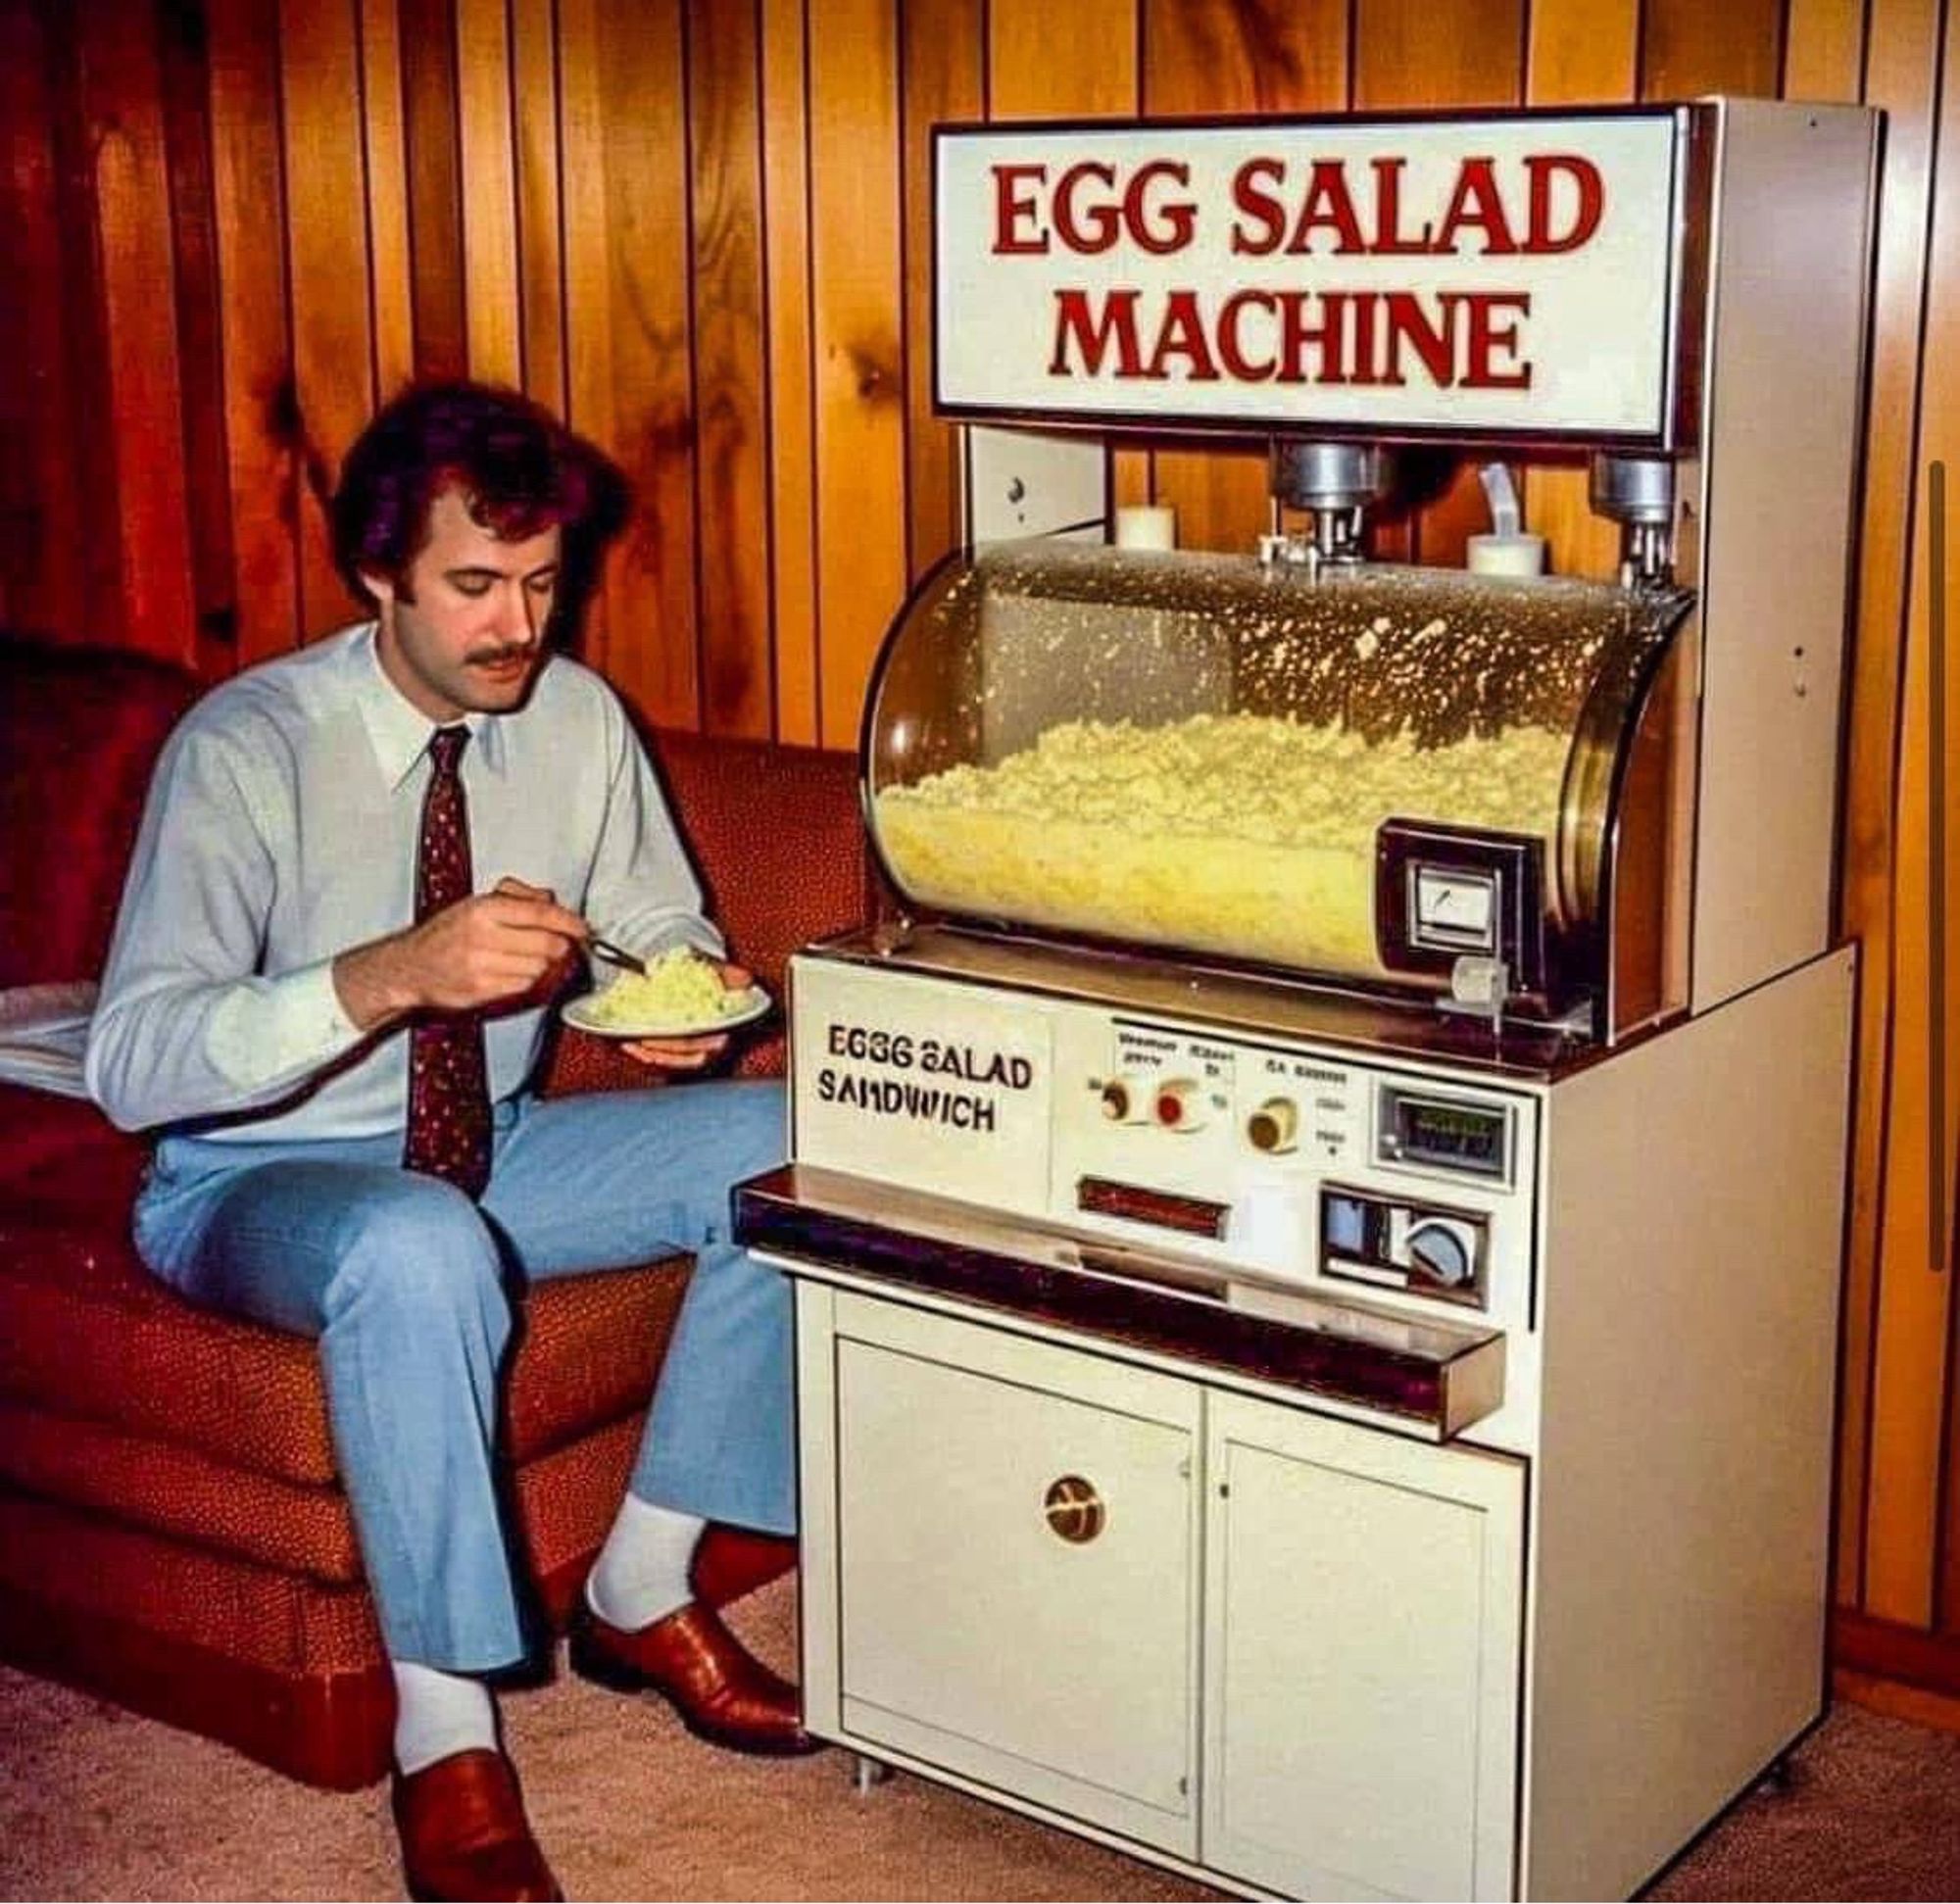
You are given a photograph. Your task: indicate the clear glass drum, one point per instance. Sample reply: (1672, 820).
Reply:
(1198, 753)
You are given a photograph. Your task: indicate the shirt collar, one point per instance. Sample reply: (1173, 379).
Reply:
(398, 731)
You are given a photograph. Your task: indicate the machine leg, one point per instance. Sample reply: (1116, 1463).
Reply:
(866, 1772)
(1779, 1778)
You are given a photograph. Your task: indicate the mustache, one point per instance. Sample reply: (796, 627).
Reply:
(494, 657)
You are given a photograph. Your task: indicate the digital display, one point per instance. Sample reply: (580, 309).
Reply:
(1450, 1136)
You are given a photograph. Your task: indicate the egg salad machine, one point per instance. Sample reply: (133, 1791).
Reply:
(1316, 1209)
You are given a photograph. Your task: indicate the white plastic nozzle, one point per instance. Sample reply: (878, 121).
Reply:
(1506, 550)
(1503, 495)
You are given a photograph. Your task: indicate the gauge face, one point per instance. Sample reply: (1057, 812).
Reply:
(1441, 1252)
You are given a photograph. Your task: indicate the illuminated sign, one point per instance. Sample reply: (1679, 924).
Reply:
(1511, 275)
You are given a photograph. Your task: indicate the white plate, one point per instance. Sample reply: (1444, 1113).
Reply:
(578, 1013)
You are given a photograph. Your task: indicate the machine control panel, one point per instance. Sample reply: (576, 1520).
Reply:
(1282, 1166)
(1318, 1169)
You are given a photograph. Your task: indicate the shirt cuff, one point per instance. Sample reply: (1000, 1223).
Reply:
(282, 1028)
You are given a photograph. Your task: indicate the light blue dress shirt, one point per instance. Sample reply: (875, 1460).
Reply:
(282, 829)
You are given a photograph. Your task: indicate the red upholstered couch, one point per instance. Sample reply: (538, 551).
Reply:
(172, 1532)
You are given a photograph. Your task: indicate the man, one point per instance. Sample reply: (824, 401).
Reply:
(363, 870)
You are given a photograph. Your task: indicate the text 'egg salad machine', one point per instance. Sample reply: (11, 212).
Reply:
(1316, 1214)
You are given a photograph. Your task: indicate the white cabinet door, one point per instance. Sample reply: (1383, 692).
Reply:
(1362, 1659)
(970, 1633)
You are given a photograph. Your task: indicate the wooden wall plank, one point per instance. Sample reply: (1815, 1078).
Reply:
(944, 79)
(1911, 1350)
(491, 316)
(92, 421)
(186, 104)
(627, 291)
(540, 236)
(856, 280)
(1225, 56)
(588, 312)
(432, 116)
(792, 472)
(1078, 62)
(1580, 52)
(248, 190)
(730, 367)
(1824, 49)
(385, 134)
(122, 96)
(1438, 53)
(40, 490)
(326, 254)
(1905, 46)
(1689, 48)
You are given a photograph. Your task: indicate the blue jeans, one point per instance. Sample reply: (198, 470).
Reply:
(404, 1281)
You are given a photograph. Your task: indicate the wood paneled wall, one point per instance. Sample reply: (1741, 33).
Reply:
(700, 230)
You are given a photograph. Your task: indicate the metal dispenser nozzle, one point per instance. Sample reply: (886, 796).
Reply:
(1638, 493)
(1331, 482)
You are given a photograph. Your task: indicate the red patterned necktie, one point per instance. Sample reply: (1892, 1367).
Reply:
(448, 1087)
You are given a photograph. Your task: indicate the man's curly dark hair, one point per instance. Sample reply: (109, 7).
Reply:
(520, 469)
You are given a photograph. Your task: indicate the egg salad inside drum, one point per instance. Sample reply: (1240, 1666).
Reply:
(1363, 773)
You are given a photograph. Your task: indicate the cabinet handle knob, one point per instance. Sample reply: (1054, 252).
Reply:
(1074, 1509)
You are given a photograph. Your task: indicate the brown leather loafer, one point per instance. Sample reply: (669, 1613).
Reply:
(722, 1693)
(464, 1831)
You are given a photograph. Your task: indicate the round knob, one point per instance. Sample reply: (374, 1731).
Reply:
(1274, 1125)
(1126, 1101)
(1074, 1509)
(1180, 1104)
(1441, 1252)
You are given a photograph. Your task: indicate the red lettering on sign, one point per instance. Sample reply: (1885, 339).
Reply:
(1389, 239)
(1447, 340)
(1258, 205)
(1011, 211)
(1486, 338)
(1590, 208)
(1181, 335)
(1166, 228)
(1077, 324)
(1230, 350)
(1327, 203)
(1101, 228)
(1476, 202)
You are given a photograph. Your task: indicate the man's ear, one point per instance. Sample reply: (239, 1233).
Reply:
(381, 587)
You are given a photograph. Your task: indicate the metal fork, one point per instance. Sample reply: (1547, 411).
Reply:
(616, 954)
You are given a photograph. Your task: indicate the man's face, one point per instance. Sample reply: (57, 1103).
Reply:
(464, 632)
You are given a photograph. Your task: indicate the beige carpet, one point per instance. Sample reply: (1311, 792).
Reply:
(97, 1804)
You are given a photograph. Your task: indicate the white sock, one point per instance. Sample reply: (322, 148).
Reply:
(437, 1713)
(641, 1573)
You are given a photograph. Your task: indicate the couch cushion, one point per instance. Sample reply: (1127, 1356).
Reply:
(275, 1617)
(146, 1482)
(80, 729)
(564, 1500)
(61, 1154)
(87, 1331)
(778, 837)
